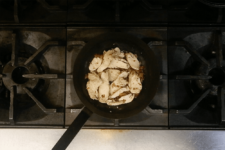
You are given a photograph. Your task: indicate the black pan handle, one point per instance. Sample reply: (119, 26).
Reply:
(73, 129)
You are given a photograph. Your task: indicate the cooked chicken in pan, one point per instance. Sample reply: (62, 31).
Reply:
(120, 91)
(93, 84)
(95, 63)
(127, 98)
(119, 63)
(119, 82)
(134, 83)
(113, 74)
(107, 57)
(104, 87)
(133, 61)
(115, 103)
(115, 77)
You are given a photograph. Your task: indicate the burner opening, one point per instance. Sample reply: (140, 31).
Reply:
(17, 75)
(218, 76)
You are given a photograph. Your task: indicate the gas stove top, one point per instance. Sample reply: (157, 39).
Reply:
(40, 41)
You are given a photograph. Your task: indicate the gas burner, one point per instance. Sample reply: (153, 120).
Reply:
(14, 75)
(204, 77)
(25, 77)
(197, 11)
(214, 76)
(220, 4)
(9, 4)
(210, 71)
(30, 9)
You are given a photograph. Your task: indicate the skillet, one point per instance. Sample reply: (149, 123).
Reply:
(150, 84)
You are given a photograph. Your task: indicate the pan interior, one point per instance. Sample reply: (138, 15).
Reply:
(125, 43)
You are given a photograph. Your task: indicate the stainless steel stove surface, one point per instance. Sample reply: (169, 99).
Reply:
(32, 83)
(155, 115)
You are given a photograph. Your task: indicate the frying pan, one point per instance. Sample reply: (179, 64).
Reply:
(150, 84)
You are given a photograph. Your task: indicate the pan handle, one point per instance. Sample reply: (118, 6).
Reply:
(73, 129)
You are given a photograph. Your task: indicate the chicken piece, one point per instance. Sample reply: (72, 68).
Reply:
(95, 63)
(92, 87)
(134, 83)
(119, 63)
(104, 87)
(93, 76)
(116, 52)
(107, 57)
(117, 93)
(93, 84)
(127, 98)
(123, 74)
(140, 73)
(119, 82)
(109, 100)
(113, 74)
(133, 61)
(115, 103)
(121, 55)
(113, 88)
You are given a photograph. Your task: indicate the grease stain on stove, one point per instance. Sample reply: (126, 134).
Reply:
(35, 39)
(5, 37)
(223, 37)
(88, 34)
(198, 40)
(143, 36)
(112, 134)
(113, 131)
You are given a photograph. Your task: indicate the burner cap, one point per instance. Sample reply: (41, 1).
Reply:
(17, 75)
(13, 75)
(218, 76)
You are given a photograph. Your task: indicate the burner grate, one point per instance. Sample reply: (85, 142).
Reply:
(202, 77)
(26, 82)
(18, 79)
